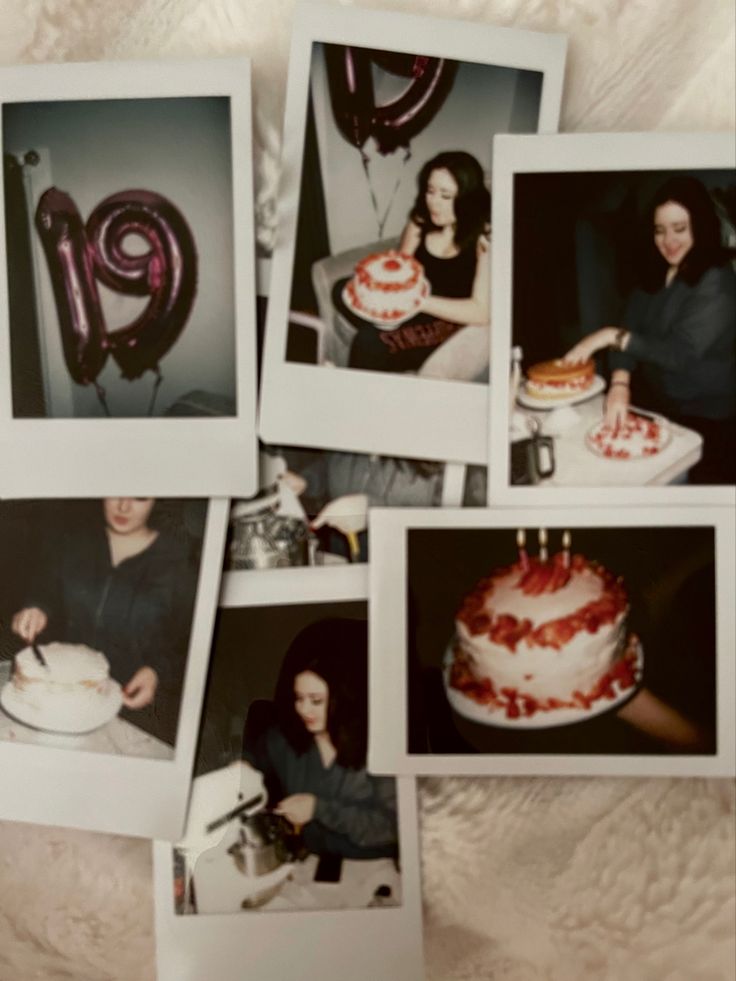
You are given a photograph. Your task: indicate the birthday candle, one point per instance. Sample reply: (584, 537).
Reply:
(542, 544)
(566, 542)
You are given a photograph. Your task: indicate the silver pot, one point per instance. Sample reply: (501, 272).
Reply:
(264, 539)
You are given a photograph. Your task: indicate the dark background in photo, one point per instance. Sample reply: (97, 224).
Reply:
(32, 532)
(179, 148)
(577, 240)
(669, 574)
(248, 648)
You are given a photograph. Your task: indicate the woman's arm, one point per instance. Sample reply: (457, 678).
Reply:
(475, 310)
(410, 238)
(657, 719)
(618, 398)
(368, 822)
(704, 321)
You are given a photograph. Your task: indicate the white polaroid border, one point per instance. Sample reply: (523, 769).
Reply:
(388, 653)
(315, 945)
(122, 794)
(337, 408)
(572, 153)
(172, 457)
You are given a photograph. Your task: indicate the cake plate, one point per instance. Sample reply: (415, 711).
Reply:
(99, 713)
(384, 324)
(597, 386)
(494, 716)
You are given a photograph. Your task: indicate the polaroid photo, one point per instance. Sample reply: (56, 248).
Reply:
(106, 616)
(574, 642)
(127, 313)
(288, 834)
(614, 318)
(312, 505)
(377, 338)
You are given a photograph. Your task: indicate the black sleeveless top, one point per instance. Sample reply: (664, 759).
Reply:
(451, 277)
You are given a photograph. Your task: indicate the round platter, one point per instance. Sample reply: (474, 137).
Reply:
(530, 402)
(95, 715)
(643, 436)
(384, 325)
(492, 716)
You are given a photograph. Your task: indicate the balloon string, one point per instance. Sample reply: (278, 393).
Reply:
(366, 166)
(154, 393)
(101, 396)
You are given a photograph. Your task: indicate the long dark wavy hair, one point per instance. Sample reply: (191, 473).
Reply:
(473, 201)
(707, 250)
(336, 650)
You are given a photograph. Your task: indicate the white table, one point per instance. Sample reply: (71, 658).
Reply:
(118, 737)
(577, 466)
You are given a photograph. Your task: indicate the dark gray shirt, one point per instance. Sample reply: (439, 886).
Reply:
(355, 814)
(684, 340)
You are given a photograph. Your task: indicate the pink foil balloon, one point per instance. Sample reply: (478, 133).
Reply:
(167, 272)
(71, 268)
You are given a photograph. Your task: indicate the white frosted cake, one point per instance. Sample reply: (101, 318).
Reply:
(387, 286)
(543, 635)
(637, 437)
(69, 694)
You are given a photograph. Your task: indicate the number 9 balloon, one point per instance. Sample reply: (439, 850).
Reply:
(78, 256)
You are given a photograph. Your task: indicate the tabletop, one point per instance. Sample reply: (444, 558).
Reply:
(577, 466)
(118, 737)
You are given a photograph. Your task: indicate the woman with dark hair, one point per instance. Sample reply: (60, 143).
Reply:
(679, 329)
(448, 234)
(314, 757)
(122, 586)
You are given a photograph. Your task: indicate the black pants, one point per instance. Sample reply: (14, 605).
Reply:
(405, 348)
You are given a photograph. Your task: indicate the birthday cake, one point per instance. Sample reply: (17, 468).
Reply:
(542, 635)
(638, 436)
(72, 689)
(386, 287)
(558, 380)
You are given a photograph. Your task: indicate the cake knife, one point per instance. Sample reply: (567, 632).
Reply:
(39, 656)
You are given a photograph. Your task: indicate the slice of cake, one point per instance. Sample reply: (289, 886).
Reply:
(558, 380)
(74, 685)
(387, 286)
(541, 635)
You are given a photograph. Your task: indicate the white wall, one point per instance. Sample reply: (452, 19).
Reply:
(484, 100)
(181, 149)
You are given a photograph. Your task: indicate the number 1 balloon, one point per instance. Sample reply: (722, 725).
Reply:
(78, 256)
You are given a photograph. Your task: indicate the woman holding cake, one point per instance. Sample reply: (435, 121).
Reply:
(120, 585)
(314, 757)
(677, 340)
(448, 234)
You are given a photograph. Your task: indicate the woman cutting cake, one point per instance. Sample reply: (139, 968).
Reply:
(122, 586)
(677, 341)
(447, 233)
(314, 757)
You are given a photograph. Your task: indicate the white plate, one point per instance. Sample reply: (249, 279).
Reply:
(530, 402)
(490, 716)
(663, 440)
(97, 714)
(388, 324)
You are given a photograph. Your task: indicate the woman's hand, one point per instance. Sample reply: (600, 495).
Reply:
(297, 808)
(585, 349)
(617, 405)
(141, 689)
(29, 623)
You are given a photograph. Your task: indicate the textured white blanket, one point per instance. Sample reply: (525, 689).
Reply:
(524, 879)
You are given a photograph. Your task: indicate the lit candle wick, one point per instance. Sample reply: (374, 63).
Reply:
(521, 542)
(542, 544)
(566, 542)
